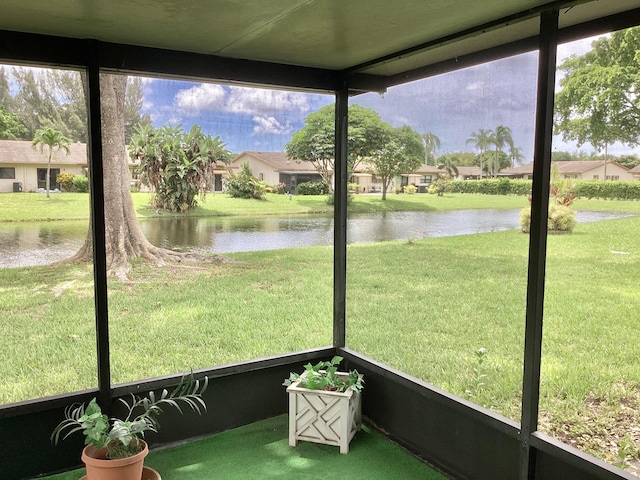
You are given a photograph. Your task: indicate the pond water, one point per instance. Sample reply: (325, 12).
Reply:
(27, 244)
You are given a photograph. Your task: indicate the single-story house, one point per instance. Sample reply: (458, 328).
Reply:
(581, 170)
(421, 178)
(24, 168)
(276, 167)
(635, 171)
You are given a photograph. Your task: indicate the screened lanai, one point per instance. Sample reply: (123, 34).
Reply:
(425, 383)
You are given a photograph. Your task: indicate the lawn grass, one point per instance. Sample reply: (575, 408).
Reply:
(425, 307)
(36, 207)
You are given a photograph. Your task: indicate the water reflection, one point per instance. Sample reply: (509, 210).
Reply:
(27, 244)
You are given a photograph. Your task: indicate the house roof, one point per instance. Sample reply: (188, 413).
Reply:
(21, 151)
(567, 168)
(278, 160)
(469, 171)
(635, 170)
(378, 43)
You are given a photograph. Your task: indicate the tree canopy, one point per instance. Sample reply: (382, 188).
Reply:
(315, 142)
(402, 151)
(178, 165)
(55, 98)
(11, 128)
(598, 102)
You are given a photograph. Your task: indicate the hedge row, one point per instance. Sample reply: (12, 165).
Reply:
(609, 190)
(496, 186)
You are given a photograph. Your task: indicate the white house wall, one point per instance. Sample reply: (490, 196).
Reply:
(613, 170)
(27, 175)
(260, 170)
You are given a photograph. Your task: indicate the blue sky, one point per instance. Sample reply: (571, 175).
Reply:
(452, 106)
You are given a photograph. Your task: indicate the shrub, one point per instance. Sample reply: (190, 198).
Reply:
(81, 184)
(279, 188)
(353, 187)
(312, 188)
(561, 219)
(410, 189)
(65, 180)
(245, 185)
(439, 186)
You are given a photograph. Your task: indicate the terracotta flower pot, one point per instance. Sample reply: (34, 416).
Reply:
(101, 468)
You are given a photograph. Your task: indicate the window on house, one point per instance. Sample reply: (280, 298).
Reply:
(596, 177)
(613, 177)
(7, 173)
(425, 179)
(261, 176)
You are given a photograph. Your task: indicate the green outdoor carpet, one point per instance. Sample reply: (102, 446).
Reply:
(261, 451)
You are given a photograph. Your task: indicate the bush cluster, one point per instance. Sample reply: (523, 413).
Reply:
(65, 180)
(410, 189)
(81, 184)
(242, 185)
(561, 219)
(72, 183)
(312, 188)
(278, 188)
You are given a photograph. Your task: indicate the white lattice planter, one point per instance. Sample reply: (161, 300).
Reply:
(320, 416)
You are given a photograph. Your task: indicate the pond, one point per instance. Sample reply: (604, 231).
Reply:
(28, 244)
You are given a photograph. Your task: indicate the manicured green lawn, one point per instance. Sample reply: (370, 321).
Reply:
(425, 307)
(21, 207)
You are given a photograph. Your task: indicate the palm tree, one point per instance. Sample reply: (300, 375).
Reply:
(481, 139)
(431, 144)
(447, 164)
(516, 155)
(51, 138)
(500, 138)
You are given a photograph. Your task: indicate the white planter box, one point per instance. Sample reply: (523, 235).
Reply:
(319, 416)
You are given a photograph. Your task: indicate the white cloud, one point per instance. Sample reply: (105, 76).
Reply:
(474, 86)
(203, 97)
(270, 126)
(259, 101)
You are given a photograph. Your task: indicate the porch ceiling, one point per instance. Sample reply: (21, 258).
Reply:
(375, 37)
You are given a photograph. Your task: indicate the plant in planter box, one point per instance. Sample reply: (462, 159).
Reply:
(324, 404)
(115, 445)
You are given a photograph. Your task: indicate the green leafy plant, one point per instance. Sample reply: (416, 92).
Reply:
(325, 376)
(65, 180)
(244, 185)
(561, 219)
(80, 184)
(121, 437)
(625, 453)
(312, 188)
(479, 374)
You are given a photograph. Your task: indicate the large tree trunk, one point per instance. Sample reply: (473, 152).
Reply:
(124, 237)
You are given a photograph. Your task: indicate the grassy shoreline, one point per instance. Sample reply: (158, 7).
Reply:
(34, 207)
